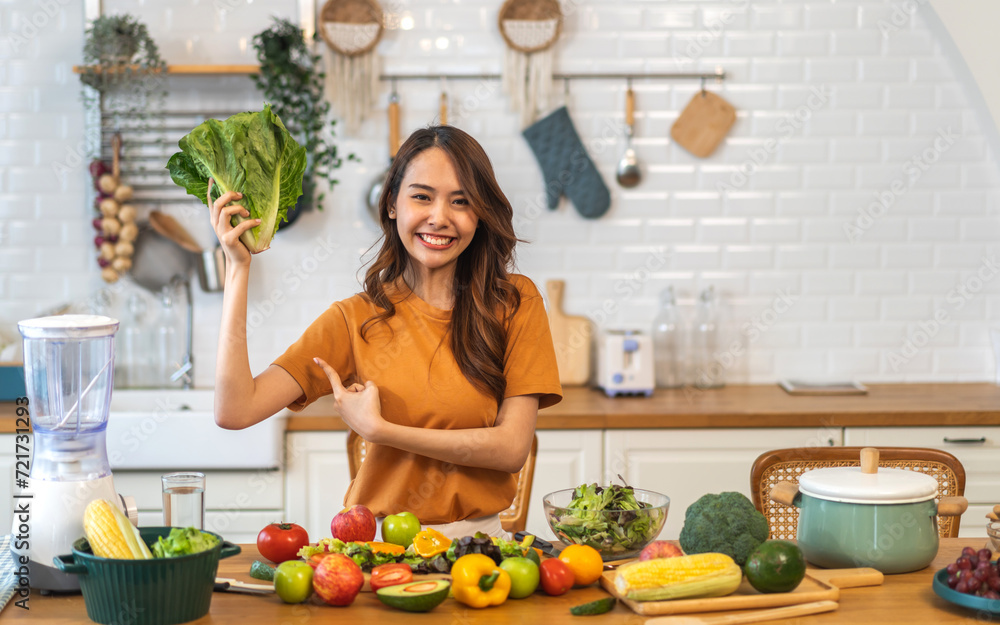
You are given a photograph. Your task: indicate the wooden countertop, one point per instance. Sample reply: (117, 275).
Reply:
(764, 405)
(906, 598)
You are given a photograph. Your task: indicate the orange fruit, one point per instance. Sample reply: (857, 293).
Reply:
(380, 547)
(430, 542)
(585, 562)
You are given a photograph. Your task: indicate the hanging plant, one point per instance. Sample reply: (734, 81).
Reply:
(291, 80)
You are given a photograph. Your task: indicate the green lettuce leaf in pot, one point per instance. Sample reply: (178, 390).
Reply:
(250, 153)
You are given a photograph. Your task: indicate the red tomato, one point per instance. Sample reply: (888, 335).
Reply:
(390, 575)
(557, 578)
(279, 542)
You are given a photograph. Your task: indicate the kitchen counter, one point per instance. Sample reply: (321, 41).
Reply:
(904, 598)
(764, 405)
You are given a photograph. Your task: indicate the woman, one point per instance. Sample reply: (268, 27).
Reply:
(440, 365)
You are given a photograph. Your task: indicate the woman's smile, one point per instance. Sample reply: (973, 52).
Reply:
(435, 242)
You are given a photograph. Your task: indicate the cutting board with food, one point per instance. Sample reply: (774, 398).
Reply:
(745, 597)
(811, 589)
(571, 337)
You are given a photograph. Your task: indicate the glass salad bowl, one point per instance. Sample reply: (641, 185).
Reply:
(576, 516)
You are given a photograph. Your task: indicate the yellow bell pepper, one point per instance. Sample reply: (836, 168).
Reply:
(478, 582)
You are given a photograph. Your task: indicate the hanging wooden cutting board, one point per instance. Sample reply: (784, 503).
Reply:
(572, 337)
(703, 123)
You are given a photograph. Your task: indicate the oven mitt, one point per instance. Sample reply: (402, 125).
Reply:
(566, 166)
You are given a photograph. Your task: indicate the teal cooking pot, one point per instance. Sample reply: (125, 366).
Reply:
(885, 519)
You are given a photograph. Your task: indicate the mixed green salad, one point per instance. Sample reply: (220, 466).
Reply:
(609, 519)
(183, 542)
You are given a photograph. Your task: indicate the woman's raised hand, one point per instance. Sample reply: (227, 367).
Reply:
(228, 235)
(358, 405)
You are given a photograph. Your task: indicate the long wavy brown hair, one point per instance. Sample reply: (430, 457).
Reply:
(485, 297)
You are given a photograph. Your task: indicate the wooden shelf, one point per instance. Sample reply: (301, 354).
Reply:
(195, 69)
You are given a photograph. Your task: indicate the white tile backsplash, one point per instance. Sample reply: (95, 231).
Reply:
(771, 209)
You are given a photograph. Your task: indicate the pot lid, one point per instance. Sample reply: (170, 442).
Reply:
(850, 485)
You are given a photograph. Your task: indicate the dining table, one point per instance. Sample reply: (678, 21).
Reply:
(903, 598)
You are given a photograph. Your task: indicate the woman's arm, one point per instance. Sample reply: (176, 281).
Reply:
(240, 399)
(503, 447)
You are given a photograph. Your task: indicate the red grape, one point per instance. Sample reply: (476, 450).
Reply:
(952, 568)
(969, 551)
(991, 594)
(952, 580)
(962, 586)
(964, 563)
(973, 585)
(985, 554)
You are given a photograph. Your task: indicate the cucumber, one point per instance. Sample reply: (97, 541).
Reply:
(262, 570)
(594, 607)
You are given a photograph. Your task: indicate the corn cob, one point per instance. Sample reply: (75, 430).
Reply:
(110, 534)
(698, 575)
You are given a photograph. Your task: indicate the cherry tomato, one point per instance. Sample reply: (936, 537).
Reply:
(557, 578)
(280, 542)
(390, 575)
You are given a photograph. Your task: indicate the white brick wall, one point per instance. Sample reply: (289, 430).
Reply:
(798, 169)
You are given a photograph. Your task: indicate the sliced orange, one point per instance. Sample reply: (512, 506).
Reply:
(380, 547)
(430, 542)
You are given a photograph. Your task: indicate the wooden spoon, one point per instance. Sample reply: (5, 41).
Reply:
(173, 230)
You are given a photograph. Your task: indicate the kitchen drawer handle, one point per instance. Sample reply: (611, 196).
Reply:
(966, 441)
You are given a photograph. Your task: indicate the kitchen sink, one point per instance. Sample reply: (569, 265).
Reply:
(166, 429)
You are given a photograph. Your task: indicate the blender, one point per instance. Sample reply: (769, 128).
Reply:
(68, 371)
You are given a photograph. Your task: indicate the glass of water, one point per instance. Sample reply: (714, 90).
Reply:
(184, 499)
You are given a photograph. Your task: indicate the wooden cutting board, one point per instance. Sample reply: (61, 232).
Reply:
(572, 337)
(703, 123)
(746, 597)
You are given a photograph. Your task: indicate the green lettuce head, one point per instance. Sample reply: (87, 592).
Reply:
(250, 153)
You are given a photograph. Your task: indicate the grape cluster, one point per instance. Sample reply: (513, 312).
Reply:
(973, 573)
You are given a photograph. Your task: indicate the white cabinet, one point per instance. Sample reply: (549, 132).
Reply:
(316, 479)
(565, 459)
(977, 447)
(686, 464)
(7, 479)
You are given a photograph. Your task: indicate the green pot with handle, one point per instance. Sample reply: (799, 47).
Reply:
(865, 516)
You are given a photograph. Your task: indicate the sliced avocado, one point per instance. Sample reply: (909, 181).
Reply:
(415, 596)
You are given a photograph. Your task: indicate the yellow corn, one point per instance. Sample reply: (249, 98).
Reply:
(110, 534)
(698, 575)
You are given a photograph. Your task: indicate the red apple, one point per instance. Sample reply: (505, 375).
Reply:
(356, 523)
(338, 580)
(660, 549)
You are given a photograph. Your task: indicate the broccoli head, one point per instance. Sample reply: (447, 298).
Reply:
(723, 523)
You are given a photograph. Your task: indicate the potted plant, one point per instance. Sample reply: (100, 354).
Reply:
(117, 52)
(291, 79)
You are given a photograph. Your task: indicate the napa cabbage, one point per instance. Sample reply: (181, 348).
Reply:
(251, 153)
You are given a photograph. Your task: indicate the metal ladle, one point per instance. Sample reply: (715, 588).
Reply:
(628, 167)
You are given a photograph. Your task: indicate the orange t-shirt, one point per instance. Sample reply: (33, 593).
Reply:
(420, 385)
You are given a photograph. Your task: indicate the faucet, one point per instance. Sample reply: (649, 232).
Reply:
(186, 370)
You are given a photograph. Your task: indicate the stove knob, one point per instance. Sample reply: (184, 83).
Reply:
(131, 510)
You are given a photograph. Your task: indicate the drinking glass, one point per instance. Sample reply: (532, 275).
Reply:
(184, 499)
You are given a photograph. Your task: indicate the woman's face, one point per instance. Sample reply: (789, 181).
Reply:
(433, 217)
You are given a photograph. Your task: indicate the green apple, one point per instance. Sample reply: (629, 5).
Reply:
(293, 581)
(399, 529)
(524, 576)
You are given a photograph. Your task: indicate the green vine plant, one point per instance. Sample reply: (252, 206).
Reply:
(123, 73)
(291, 79)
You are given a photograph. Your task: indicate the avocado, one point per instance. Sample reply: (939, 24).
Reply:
(415, 596)
(775, 566)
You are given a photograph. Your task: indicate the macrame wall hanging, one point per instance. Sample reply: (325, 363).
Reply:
(530, 28)
(351, 30)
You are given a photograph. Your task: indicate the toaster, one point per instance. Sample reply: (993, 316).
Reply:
(625, 363)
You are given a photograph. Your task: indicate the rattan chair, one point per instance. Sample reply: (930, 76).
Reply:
(786, 465)
(513, 519)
